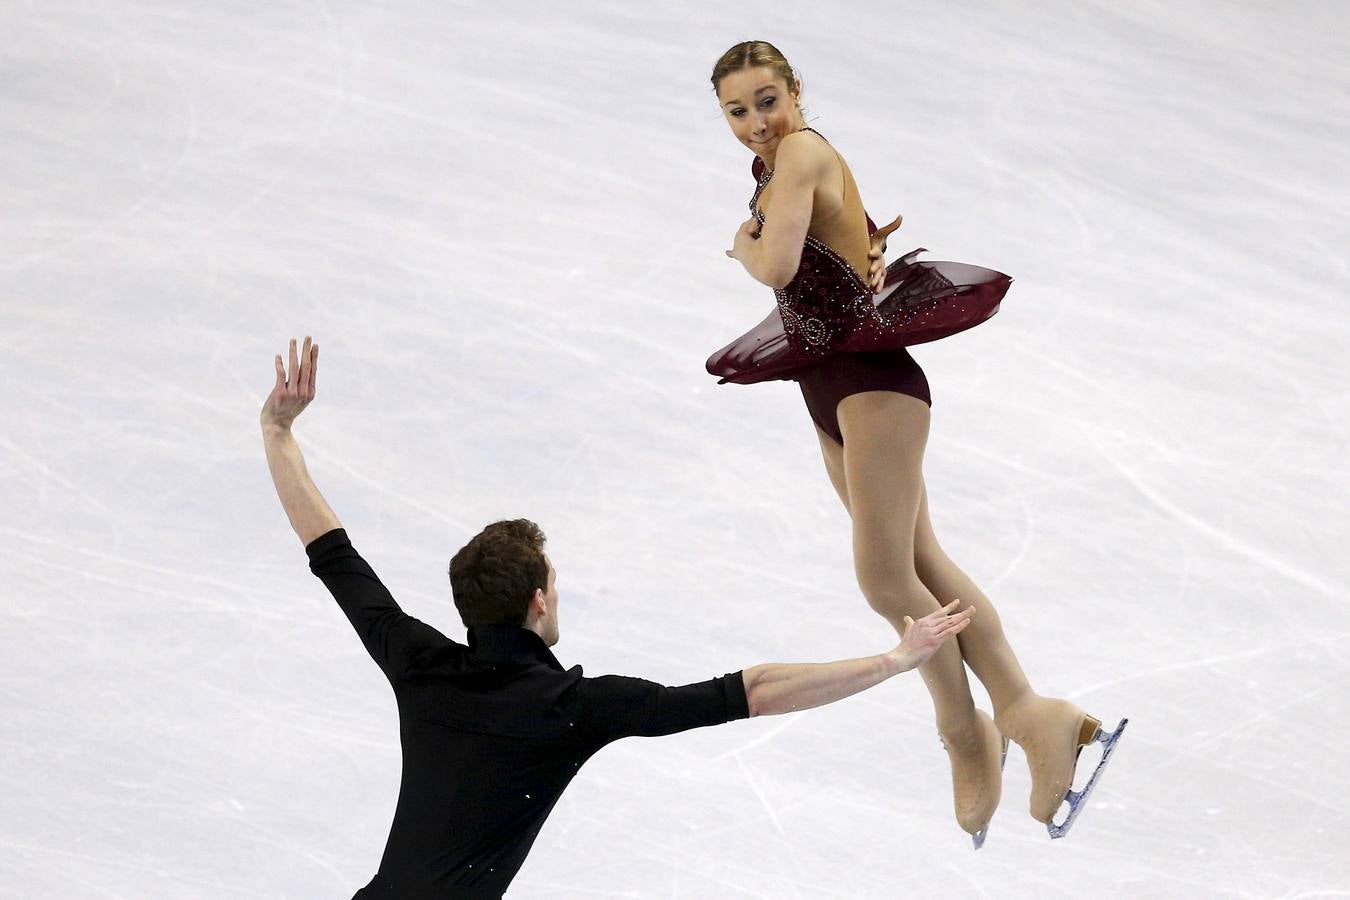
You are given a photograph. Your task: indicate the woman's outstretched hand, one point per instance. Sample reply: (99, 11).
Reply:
(923, 637)
(876, 272)
(292, 393)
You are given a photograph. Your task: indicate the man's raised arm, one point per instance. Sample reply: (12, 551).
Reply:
(309, 513)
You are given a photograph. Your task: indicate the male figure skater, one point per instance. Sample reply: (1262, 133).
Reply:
(494, 731)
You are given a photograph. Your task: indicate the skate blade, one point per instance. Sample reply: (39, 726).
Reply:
(978, 837)
(1076, 799)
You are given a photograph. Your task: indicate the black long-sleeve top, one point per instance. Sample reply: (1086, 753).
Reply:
(492, 733)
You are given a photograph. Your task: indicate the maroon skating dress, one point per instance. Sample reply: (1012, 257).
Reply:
(835, 338)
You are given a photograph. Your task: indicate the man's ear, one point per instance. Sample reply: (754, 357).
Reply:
(538, 605)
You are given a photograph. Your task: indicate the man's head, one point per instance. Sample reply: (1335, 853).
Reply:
(503, 577)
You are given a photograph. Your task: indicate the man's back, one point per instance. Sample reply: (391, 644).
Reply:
(492, 733)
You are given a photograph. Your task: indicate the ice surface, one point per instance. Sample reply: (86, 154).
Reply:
(505, 222)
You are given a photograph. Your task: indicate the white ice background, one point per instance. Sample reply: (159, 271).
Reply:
(505, 222)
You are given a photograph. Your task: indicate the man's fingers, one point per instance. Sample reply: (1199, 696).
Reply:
(302, 376)
(947, 613)
(313, 368)
(295, 365)
(281, 373)
(962, 616)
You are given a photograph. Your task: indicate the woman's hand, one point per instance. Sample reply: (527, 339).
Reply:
(743, 243)
(876, 272)
(922, 638)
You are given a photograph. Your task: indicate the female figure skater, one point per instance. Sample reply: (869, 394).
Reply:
(808, 238)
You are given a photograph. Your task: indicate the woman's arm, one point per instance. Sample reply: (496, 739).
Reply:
(876, 273)
(772, 256)
(781, 688)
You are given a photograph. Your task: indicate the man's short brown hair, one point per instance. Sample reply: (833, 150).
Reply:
(494, 575)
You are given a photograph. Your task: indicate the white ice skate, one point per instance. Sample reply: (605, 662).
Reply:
(978, 837)
(1092, 732)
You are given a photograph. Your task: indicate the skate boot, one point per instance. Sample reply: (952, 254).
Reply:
(977, 775)
(1052, 733)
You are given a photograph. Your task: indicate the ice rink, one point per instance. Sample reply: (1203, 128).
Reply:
(505, 224)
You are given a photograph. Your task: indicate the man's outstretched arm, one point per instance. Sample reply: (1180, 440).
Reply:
(616, 707)
(309, 513)
(787, 687)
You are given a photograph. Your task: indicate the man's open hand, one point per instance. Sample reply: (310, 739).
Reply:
(291, 394)
(923, 637)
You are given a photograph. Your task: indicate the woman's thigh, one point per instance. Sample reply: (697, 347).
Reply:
(832, 452)
(884, 438)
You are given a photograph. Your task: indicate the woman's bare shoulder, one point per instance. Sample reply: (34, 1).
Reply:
(806, 149)
(806, 141)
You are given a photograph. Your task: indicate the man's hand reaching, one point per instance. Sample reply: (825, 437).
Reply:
(922, 638)
(291, 394)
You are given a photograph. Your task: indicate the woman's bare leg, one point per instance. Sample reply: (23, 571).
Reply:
(882, 456)
(833, 454)
(983, 644)
(1046, 729)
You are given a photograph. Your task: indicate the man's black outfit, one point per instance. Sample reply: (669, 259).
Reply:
(492, 733)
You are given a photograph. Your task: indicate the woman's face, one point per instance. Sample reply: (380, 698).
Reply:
(760, 108)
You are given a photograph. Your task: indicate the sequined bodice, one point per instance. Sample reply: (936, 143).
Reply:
(826, 302)
(828, 309)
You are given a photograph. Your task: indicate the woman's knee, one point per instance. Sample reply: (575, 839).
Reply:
(894, 596)
(930, 562)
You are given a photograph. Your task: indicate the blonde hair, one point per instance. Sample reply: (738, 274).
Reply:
(752, 55)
